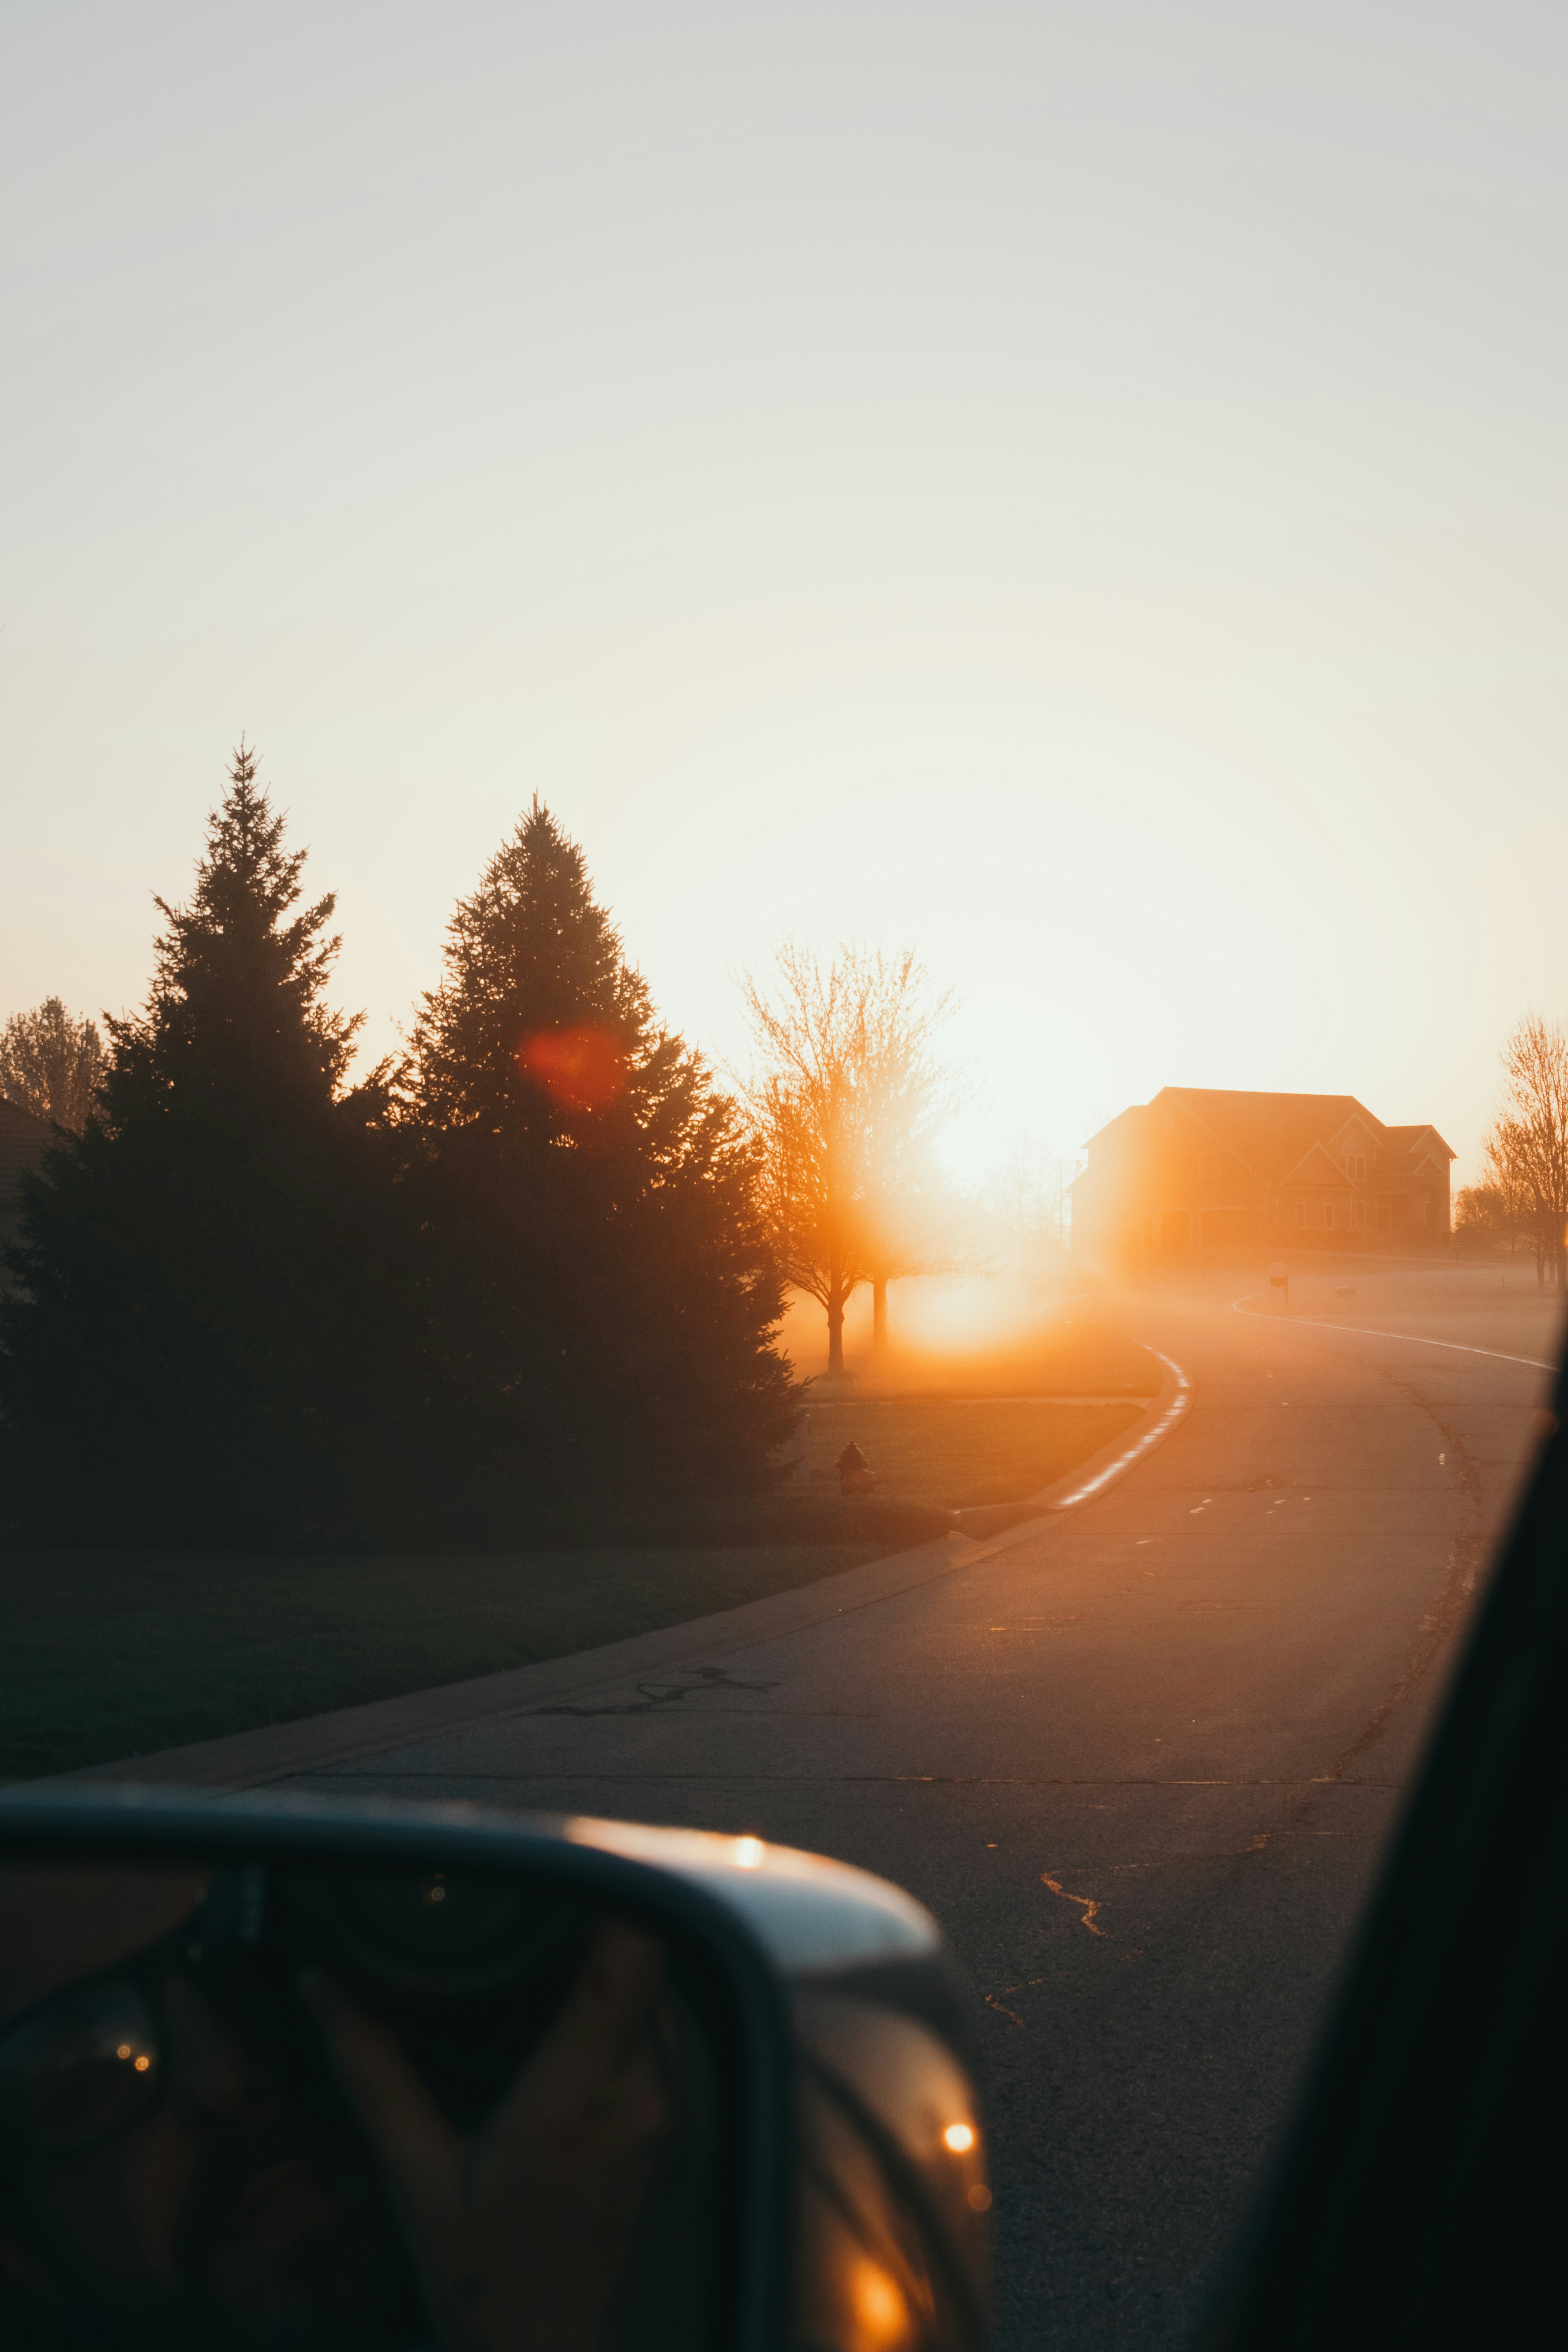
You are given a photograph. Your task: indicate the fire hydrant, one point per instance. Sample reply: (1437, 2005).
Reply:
(856, 1475)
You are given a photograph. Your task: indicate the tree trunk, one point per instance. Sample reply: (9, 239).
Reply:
(879, 1315)
(836, 1294)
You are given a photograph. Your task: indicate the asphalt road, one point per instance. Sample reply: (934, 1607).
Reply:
(1142, 1765)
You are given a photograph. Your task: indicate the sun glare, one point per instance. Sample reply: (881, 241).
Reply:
(951, 1317)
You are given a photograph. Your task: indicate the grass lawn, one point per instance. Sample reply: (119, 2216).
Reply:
(951, 1454)
(119, 1653)
(1058, 1360)
(109, 1654)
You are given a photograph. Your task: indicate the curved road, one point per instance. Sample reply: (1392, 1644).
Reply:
(1141, 1765)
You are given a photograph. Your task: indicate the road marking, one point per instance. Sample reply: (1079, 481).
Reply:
(1123, 1462)
(1306, 1323)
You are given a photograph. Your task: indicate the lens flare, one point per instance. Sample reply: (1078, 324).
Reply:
(580, 1070)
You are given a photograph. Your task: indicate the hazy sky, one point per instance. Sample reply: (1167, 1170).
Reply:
(1077, 488)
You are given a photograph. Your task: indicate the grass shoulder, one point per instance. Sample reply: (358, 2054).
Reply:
(110, 1654)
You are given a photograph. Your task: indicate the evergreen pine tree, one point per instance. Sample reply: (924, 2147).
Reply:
(199, 1349)
(606, 1294)
(529, 956)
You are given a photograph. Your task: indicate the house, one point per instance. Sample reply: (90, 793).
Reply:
(1200, 1171)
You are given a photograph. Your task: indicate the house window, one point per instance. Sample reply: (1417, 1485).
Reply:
(1354, 1166)
(1359, 1213)
(1300, 1212)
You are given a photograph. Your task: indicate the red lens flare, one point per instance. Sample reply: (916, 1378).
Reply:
(580, 1070)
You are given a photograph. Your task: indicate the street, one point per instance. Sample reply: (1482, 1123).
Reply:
(1142, 1765)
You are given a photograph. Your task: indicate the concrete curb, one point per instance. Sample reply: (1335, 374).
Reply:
(1104, 1468)
(248, 1759)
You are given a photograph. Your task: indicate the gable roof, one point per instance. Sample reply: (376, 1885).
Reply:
(1272, 1132)
(1407, 1139)
(1317, 1165)
(1131, 1111)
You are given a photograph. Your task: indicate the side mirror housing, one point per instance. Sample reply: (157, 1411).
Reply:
(291, 2069)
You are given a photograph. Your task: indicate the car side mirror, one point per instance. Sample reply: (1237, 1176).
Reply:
(287, 2071)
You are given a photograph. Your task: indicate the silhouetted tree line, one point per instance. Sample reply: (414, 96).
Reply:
(516, 1282)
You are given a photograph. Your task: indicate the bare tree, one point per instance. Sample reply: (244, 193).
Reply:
(51, 1064)
(1480, 1219)
(809, 1198)
(1025, 1198)
(907, 1096)
(1526, 1152)
(1509, 1206)
(845, 1098)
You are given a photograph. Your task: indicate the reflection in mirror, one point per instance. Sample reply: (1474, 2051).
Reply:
(892, 2250)
(285, 2106)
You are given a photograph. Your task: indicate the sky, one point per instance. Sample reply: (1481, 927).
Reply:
(1077, 490)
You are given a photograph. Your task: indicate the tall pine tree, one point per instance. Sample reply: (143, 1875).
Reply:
(605, 1294)
(205, 1340)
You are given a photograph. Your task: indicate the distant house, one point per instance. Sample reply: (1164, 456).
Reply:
(1199, 1170)
(24, 1139)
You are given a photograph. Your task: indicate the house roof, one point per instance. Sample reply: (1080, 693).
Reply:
(1317, 1165)
(1272, 1132)
(1275, 1133)
(1409, 1138)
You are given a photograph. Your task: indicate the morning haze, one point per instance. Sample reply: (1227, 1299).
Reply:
(784, 1034)
(1078, 492)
